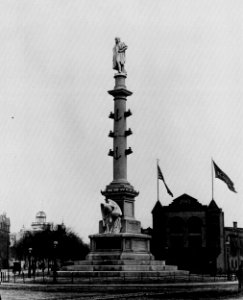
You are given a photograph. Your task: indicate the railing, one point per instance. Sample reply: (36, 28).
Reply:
(123, 277)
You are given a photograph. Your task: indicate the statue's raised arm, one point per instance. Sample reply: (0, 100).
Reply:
(119, 56)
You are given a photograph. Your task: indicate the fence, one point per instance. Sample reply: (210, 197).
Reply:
(94, 277)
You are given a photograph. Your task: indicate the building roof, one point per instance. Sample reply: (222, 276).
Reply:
(213, 205)
(186, 203)
(41, 214)
(157, 207)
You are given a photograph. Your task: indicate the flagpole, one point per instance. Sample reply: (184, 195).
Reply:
(212, 179)
(157, 163)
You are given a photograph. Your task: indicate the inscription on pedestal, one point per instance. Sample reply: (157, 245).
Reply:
(133, 226)
(128, 209)
(140, 245)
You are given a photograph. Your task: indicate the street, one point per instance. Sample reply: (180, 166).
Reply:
(16, 294)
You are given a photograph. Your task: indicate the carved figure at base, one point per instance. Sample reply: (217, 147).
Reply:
(111, 215)
(119, 56)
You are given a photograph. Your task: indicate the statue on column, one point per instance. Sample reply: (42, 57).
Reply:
(119, 56)
(111, 215)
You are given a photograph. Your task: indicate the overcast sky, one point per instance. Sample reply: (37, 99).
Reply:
(185, 68)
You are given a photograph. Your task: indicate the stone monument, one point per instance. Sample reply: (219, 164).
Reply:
(119, 252)
(123, 240)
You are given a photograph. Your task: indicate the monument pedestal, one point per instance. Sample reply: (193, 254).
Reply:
(129, 244)
(122, 246)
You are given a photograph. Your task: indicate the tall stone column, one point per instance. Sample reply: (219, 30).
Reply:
(120, 133)
(124, 240)
(120, 190)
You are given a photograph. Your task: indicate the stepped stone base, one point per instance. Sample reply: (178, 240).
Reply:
(122, 271)
(119, 258)
(122, 277)
(116, 266)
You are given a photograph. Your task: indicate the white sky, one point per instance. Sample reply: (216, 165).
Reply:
(185, 67)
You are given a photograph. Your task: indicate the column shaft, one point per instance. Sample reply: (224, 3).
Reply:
(120, 141)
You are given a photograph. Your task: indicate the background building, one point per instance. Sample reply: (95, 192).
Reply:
(234, 247)
(4, 240)
(190, 235)
(40, 222)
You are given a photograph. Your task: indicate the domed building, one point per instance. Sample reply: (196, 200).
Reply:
(40, 222)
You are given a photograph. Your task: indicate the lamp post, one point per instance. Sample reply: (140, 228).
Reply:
(166, 253)
(8, 244)
(227, 243)
(29, 258)
(55, 243)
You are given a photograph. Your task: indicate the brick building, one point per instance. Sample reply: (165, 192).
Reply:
(189, 235)
(234, 247)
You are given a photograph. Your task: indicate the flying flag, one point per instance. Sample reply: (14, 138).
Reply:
(221, 175)
(161, 177)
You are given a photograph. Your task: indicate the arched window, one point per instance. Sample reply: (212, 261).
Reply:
(195, 232)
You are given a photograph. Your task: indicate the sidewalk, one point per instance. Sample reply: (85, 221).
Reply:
(231, 286)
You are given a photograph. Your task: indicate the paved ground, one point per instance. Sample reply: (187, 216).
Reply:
(35, 295)
(95, 292)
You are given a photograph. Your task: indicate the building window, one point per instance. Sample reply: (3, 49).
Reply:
(177, 229)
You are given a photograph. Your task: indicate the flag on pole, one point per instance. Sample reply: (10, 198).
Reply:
(221, 175)
(161, 177)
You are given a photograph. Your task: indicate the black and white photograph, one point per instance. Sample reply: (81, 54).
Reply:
(121, 149)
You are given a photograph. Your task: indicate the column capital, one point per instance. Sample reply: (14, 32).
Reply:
(120, 93)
